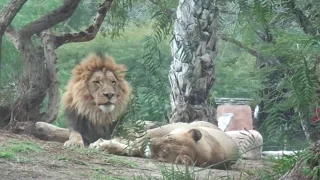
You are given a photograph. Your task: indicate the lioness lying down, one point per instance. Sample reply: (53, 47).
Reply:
(199, 143)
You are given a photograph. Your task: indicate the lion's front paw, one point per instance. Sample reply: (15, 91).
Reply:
(73, 143)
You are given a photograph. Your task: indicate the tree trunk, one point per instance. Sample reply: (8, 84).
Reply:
(52, 111)
(192, 71)
(27, 107)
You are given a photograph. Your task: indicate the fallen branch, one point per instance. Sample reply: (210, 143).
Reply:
(48, 132)
(42, 130)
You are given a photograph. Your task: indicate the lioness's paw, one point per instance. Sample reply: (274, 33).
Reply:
(183, 159)
(73, 143)
(97, 144)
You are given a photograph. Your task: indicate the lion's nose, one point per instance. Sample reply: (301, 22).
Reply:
(108, 95)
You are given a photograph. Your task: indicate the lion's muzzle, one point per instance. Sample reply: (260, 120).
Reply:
(107, 107)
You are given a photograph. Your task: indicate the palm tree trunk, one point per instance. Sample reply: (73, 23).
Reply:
(192, 71)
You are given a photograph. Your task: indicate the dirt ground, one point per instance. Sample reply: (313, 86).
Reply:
(25, 157)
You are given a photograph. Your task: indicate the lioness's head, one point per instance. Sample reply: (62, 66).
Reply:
(97, 89)
(176, 148)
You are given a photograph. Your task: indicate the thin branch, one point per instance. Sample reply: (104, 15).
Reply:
(253, 52)
(47, 21)
(90, 32)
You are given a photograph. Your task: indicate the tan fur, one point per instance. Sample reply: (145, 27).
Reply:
(199, 142)
(183, 146)
(77, 95)
(250, 143)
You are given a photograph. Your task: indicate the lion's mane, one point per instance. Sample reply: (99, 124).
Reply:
(77, 97)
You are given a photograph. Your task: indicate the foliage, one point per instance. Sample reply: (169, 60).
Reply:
(6, 155)
(115, 160)
(277, 167)
(173, 172)
(280, 166)
(24, 147)
(286, 52)
(10, 151)
(236, 73)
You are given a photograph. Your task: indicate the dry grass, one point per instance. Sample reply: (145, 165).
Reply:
(24, 157)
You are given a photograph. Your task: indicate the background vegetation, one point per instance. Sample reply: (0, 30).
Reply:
(128, 48)
(267, 52)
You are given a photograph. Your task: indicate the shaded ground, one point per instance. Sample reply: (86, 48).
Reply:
(25, 157)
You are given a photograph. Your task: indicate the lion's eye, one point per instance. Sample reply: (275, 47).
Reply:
(96, 82)
(114, 82)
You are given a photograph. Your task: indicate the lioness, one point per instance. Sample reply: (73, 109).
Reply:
(199, 143)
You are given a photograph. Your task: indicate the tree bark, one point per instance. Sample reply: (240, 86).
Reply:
(27, 107)
(192, 71)
(52, 111)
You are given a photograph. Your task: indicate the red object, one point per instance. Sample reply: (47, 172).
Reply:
(316, 118)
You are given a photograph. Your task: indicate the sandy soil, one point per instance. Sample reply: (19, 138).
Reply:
(25, 157)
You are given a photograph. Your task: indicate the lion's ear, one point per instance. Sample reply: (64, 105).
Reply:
(121, 72)
(195, 134)
(121, 75)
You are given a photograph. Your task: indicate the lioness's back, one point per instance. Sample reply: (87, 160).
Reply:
(225, 141)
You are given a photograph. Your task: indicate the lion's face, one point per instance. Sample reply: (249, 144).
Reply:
(175, 147)
(103, 87)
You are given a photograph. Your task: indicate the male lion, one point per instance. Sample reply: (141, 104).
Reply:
(95, 96)
(200, 143)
